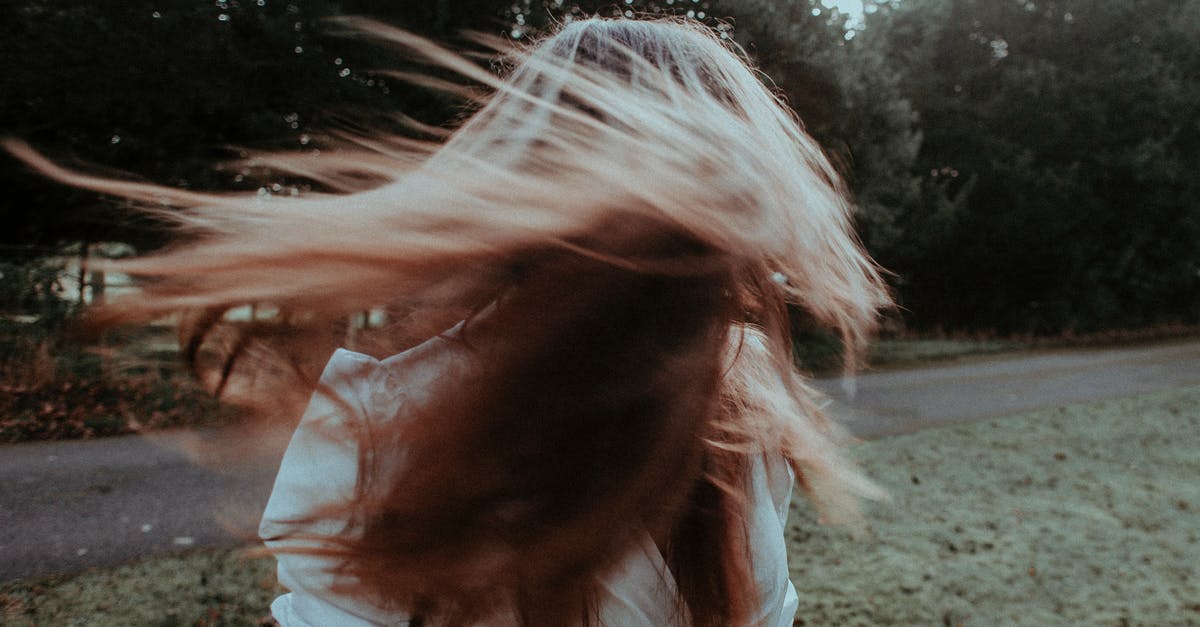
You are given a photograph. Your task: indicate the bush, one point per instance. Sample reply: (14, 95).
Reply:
(81, 408)
(51, 388)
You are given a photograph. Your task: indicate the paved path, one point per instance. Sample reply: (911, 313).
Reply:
(902, 401)
(65, 506)
(70, 505)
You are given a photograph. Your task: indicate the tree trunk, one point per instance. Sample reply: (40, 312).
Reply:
(85, 248)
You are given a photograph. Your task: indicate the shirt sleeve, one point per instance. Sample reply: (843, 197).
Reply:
(772, 479)
(319, 470)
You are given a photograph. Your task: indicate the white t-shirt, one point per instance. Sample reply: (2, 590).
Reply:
(320, 468)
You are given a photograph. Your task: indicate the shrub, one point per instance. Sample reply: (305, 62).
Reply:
(51, 388)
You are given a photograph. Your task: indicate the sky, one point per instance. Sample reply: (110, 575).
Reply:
(852, 7)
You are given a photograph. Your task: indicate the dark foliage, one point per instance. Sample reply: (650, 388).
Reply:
(1055, 193)
(1021, 166)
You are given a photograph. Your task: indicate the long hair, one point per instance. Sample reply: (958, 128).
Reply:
(628, 214)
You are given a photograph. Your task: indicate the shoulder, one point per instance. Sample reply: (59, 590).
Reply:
(413, 374)
(345, 364)
(348, 375)
(374, 389)
(320, 466)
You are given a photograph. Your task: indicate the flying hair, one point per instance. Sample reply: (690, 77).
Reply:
(623, 221)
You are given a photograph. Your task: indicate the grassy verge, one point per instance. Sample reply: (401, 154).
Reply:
(901, 352)
(910, 350)
(1087, 514)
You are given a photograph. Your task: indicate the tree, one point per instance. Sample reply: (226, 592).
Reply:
(168, 88)
(1054, 134)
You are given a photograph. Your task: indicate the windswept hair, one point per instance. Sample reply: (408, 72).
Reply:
(635, 210)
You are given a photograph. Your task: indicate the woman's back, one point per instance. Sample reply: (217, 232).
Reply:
(320, 473)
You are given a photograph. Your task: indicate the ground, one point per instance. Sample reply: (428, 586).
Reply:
(1085, 514)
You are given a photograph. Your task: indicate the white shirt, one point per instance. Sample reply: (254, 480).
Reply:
(320, 468)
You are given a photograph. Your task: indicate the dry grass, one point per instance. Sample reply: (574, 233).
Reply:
(28, 367)
(204, 588)
(1080, 515)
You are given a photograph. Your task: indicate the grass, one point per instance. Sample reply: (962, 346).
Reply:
(1081, 515)
(821, 353)
(900, 352)
(1086, 514)
(212, 588)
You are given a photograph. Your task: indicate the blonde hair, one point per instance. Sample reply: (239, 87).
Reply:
(651, 147)
(528, 169)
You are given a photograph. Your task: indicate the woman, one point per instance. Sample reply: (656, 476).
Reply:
(610, 432)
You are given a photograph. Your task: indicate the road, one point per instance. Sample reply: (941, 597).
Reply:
(901, 401)
(65, 506)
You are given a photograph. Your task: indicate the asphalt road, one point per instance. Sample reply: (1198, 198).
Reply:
(901, 401)
(65, 506)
